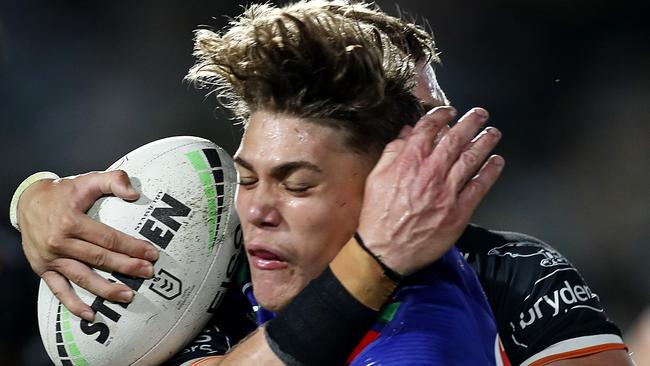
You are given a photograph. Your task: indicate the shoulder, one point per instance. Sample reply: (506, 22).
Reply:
(541, 303)
(476, 240)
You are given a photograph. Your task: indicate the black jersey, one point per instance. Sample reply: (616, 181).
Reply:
(544, 309)
(232, 321)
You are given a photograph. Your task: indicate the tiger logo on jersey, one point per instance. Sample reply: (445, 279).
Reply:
(550, 257)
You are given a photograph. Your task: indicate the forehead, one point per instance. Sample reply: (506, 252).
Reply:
(272, 138)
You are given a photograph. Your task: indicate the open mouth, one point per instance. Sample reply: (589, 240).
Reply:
(265, 259)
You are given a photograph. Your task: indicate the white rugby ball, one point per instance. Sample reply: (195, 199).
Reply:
(186, 209)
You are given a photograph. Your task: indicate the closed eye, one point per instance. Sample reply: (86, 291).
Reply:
(247, 182)
(296, 189)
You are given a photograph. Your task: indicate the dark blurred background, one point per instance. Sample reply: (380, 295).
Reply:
(567, 82)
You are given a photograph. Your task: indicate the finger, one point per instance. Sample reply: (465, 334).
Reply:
(478, 187)
(393, 148)
(117, 182)
(440, 135)
(420, 142)
(405, 132)
(86, 278)
(455, 141)
(391, 151)
(61, 288)
(473, 157)
(106, 260)
(91, 186)
(114, 240)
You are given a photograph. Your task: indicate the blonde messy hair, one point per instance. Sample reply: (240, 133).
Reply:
(412, 39)
(312, 59)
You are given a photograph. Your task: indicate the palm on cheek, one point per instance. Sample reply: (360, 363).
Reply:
(420, 197)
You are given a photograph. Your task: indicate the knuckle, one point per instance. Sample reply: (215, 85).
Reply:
(38, 268)
(58, 266)
(110, 240)
(120, 175)
(79, 279)
(429, 124)
(53, 244)
(132, 266)
(111, 291)
(453, 140)
(67, 223)
(99, 259)
(478, 186)
(449, 206)
(470, 158)
(108, 292)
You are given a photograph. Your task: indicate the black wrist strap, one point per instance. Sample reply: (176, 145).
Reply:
(321, 326)
(394, 276)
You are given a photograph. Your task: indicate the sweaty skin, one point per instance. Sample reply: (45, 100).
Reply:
(283, 217)
(59, 253)
(61, 261)
(299, 197)
(52, 216)
(283, 208)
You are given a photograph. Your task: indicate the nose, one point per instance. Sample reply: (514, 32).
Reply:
(261, 207)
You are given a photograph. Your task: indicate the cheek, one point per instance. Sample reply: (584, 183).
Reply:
(346, 216)
(240, 203)
(325, 227)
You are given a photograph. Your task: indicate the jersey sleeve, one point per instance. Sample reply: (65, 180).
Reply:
(544, 309)
(212, 341)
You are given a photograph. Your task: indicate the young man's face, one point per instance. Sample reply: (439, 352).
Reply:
(299, 201)
(300, 196)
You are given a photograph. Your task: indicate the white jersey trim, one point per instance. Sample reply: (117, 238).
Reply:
(573, 345)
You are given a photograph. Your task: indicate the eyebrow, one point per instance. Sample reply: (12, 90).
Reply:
(283, 170)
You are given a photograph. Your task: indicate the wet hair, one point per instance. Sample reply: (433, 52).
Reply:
(313, 60)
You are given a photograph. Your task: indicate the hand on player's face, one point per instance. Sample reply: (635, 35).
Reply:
(420, 197)
(298, 201)
(61, 242)
(434, 185)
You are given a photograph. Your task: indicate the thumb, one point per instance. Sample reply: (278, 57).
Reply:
(92, 186)
(117, 182)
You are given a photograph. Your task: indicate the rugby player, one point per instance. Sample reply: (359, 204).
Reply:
(321, 97)
(530, 286)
